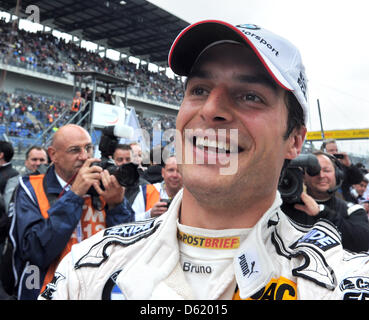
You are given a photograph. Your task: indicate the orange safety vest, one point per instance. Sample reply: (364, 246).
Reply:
(75, 105)
(92, 221)
(152, 196)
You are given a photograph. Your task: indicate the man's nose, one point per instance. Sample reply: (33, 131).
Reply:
(84, 154)
(322, 174)
(217, 107)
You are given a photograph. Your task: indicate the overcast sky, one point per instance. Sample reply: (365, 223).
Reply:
(332, 36)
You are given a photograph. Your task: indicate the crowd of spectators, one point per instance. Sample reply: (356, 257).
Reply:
(43, 52)
(27, 115)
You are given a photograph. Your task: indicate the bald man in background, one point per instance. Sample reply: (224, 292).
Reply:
(55, 210)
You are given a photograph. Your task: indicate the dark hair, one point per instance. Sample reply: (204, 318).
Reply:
(325, 142)
(123, 147)
(6, 148)
(295, 114)
(34, 148)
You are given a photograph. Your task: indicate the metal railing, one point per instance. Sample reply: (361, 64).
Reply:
(47, 135)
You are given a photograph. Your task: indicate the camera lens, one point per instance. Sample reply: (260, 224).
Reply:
(291, 185)
(126, 174)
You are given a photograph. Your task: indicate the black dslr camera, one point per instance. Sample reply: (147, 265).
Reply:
(127, 174)
(291, 180)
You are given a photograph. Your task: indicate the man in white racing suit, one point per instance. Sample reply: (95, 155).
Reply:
(224, 236)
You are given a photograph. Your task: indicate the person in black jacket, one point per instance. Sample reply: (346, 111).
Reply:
(6, 173)
(321, 202)
(352, 174)
(6, 169)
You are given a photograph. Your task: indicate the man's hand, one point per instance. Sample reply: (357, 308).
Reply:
(158, 209)
(113, 192)
(310, 206)
(345, 160)
(86, 177)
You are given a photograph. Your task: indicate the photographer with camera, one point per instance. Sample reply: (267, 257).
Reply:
(352, 174)
(55, 210)
(123, 154)
(320, 202)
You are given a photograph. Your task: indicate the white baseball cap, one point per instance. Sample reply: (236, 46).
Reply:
(280, 57)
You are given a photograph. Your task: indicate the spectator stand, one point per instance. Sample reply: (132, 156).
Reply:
(136, 29)
(102, 86)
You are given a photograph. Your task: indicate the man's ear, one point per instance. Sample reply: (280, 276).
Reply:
(51, 152)
(295, 143)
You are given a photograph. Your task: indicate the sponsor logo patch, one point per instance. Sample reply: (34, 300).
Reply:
(320, 239)
(247, 268)
(51, 287)
(124, 235)
(130, 230)
(248, 26)
(209, 243)
(249, 29)
(277, 289)
(355, 288)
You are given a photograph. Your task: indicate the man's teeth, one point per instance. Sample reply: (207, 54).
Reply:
(222, 146)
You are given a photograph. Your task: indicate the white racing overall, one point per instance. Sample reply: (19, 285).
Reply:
(277, 260)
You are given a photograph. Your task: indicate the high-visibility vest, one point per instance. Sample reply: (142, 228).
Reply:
(151, 196)
(92, 221)
(75, 105)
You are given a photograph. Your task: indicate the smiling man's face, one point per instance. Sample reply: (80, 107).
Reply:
(319, 185)
(230, 91)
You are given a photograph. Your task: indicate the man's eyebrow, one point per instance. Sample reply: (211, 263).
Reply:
(200, 73)
(253, 79)
(258, 79)
(197, 73)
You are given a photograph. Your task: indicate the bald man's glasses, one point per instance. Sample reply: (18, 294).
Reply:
(77, 150)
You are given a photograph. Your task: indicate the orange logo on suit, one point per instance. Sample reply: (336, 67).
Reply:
(276, 289)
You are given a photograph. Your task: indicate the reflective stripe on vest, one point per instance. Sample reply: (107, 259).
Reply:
(152, 196)
(91, 218)
(37, 184)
